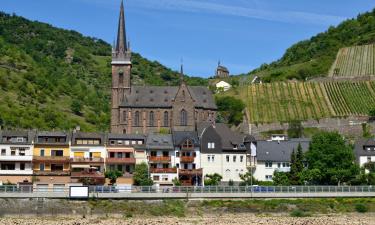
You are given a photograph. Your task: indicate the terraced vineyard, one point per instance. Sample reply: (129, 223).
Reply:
(286, 101)
(354, 61)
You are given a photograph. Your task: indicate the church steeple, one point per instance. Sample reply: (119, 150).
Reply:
(121, 45)
(121, 52)
(182, 73)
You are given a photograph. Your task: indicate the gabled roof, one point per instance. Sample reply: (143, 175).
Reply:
(180, 136)
(17, 133)
(279, 151)
(360, 145)
(126, 136)
(159, 141)
(163, 96)
(51, 134)
(229, 138)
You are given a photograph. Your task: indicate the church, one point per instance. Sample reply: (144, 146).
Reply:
(153, 109)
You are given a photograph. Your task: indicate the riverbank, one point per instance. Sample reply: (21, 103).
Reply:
(217, 219)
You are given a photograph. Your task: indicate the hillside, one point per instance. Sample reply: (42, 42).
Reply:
(356, 61)
(288, 101)
(54, 78)
(314, 57)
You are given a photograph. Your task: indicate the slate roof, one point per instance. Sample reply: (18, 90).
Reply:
(126, 136)
(85, 135)
(360, 145)
(180, 136)
(229, 138)
(280, 151)
(17, 133)
(60, 134)
(163, 96)
(159, 141)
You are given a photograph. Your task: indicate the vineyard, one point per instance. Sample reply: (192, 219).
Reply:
(287, 101)
(354, 61)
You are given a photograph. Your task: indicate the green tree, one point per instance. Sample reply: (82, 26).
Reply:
(76, 107)
(331, 159)
(141, 175)
(230, 109)
(112, 175)
(372, 112)
(212, 179)
(176, 181)
(295, 129)
(248, 178)
(281, 178)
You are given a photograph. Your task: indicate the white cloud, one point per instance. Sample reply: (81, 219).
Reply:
(239, 11)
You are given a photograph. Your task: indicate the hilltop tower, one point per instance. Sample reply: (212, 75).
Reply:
(121, 71)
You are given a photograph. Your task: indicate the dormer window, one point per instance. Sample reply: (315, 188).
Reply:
(19, 139)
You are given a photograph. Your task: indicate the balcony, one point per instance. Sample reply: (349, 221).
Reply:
(163, 170)
(283, 169)
(16, 158)
(121, 160)
(55, 159)
(87, 174)
(187, 159)
(160, 159)
(52, 173)
(87, 160)
(16, 172)
(190, 172)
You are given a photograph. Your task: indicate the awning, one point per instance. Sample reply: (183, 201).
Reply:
(80, 166)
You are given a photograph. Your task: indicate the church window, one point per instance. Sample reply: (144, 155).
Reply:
(125, 116)
(151, 119)
(183, 117)
(136, 119)
(166, 118)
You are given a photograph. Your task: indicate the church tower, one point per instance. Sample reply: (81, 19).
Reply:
(121, 71)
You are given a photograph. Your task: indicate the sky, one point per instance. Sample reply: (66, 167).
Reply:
(242, 34)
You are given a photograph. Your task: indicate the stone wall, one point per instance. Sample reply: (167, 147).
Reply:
(350, 126)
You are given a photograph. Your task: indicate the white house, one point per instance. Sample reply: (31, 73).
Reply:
(223, 86)
(161, 159)
(16, 156)
(274, 156)
(365, 151)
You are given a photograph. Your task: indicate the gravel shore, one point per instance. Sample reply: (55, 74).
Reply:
(236, 219)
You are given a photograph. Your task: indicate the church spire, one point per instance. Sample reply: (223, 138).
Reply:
(182, 72)
(121, 46)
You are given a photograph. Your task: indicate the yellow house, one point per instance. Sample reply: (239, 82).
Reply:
(51, 163)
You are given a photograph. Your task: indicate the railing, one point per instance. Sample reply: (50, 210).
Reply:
(121, 160)
(187, 159)
(86, 160)
(163, 170)
(159, 158)
(83, 174)
(51, 173)
(199, 189)
(51, 158)
(190, 172)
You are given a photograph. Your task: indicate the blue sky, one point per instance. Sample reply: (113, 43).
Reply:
(243, 34)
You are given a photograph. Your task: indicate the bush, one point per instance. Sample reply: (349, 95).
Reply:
(299, 213)
(361, 208)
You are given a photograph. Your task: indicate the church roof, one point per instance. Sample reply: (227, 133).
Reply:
(163, 96)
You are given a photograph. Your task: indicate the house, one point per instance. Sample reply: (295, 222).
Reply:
(223, 151)
(365, 151)
(51, 159)
(16, 156)
(121, 154)
(222, 86)
(274, 156)
(161, 159)
(87, 155)
(187, 160)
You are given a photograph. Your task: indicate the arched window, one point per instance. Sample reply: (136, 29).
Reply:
(125, 116)
(183, 118)
(151, 118)
(136, 119)
(124, 131)
(166, 119)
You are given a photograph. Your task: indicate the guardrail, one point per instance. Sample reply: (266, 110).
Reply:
(153, 192)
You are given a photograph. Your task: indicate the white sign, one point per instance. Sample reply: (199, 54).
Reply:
(78, 192)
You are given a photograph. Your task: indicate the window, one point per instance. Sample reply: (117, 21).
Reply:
(211, 145)
(156, 178)
(134, 142)
(125, 116)
(8, 166)
(227, 158)
(21, 152)
(194, 166)
(208, 158)
(166, 119)
(57, 167)
(177, 165)
(177, 154)
(13, 151)
(183, 118)
(213, 158)
(22, 166)
(188, 144)
(151, 119)
(241, 158)
(140, 142)
(278, 165)
(234, 158)
(268, 164)
(41, 167)
(268, 177)
(136, 119)
(3, 151)
(57, 153)
(19, 139)
(369, 159)
(112, 142)
(164, 178)
(41, 152)
(127, 142)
